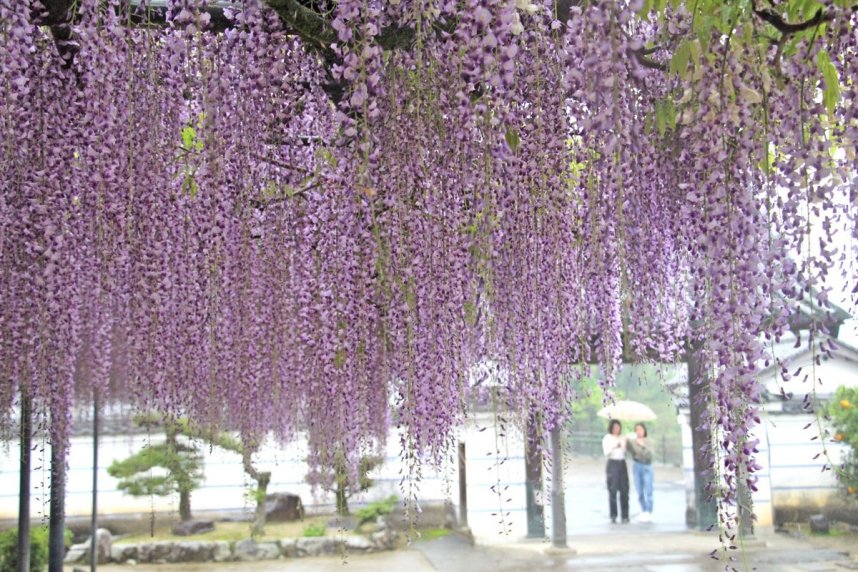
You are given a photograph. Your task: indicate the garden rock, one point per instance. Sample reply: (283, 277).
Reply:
(358, 544)
(283, 507)
(192, 551)
(221, 552)
(77, 553)
(318, 546)
(289, 547)
(156, 552)
(819, 524)
(122, 553)
(189, 527)
(250, 550)
(103, 543)
(384, 539)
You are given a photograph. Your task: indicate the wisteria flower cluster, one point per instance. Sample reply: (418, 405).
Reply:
(323, 216)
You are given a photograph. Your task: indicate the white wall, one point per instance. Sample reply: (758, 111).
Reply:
(792, 475)
(225, 482)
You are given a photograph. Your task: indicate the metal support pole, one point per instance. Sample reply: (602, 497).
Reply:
(57, 520)
(533, 483)
(463, 487)
(26, 438)
(558, 496)
(93, 549)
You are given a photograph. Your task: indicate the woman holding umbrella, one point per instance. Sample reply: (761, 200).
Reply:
(614, 447)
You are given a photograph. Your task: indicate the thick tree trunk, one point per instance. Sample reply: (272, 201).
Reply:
(185, 504)
(24, 484)
(261, 492)
(705, 514)
(57, 520)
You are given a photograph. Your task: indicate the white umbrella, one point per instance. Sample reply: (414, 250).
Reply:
(625, 410)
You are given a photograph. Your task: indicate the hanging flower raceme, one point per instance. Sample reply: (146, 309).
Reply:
(322, 224)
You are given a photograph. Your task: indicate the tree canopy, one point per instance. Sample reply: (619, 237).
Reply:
(321, 215)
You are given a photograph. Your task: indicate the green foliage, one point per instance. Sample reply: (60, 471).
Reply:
(639, 383)
(844, 420)
(217, 438)
(751, 29)
(314, 530)
(512, 139)
(189, 150)
(182, 463)
(433, 533)
(340, 480)
(665, 116)
(376, 509)
(831, 82)
(590, 400)
(256, 495)
(38, 548)
(160, 469)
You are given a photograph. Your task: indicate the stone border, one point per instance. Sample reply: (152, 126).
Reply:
(247, 550)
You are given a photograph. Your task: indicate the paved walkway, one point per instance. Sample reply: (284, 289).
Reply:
(630, 550)
(598, 546)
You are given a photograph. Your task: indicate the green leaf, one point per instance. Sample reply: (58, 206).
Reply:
(189, 137)
(831, 81)
(665, 116)
(340, 358)
(470, 313)
(189, 185)
(325, 155)
(680, 59)
(512, 139)
(411, 294)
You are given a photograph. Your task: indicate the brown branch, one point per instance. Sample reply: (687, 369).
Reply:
(785, 27)
(641, 56)
(279, 164)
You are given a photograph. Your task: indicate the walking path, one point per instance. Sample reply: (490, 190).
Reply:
(665, 545)
(631, 550)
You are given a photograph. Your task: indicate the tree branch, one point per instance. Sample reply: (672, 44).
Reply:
(785, 27)
(313, 28)
(641, 56)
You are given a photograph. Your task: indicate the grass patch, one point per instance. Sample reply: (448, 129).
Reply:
(315, 530)
(433, 533)
(234, 531)
(832, 533)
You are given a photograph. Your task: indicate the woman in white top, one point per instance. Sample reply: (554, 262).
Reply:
(614, 447)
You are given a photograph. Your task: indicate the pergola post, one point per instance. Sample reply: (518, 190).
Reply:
(706, 511)
(93, 549)
(533, 482)
(57, 519)
(25, 441)
(463, 487)
(558, 496)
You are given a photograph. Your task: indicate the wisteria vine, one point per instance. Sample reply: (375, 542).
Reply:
(271, 225)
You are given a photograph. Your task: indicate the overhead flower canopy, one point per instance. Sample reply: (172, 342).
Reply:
(290, 214)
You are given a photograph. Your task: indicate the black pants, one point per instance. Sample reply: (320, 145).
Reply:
(618, 483)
